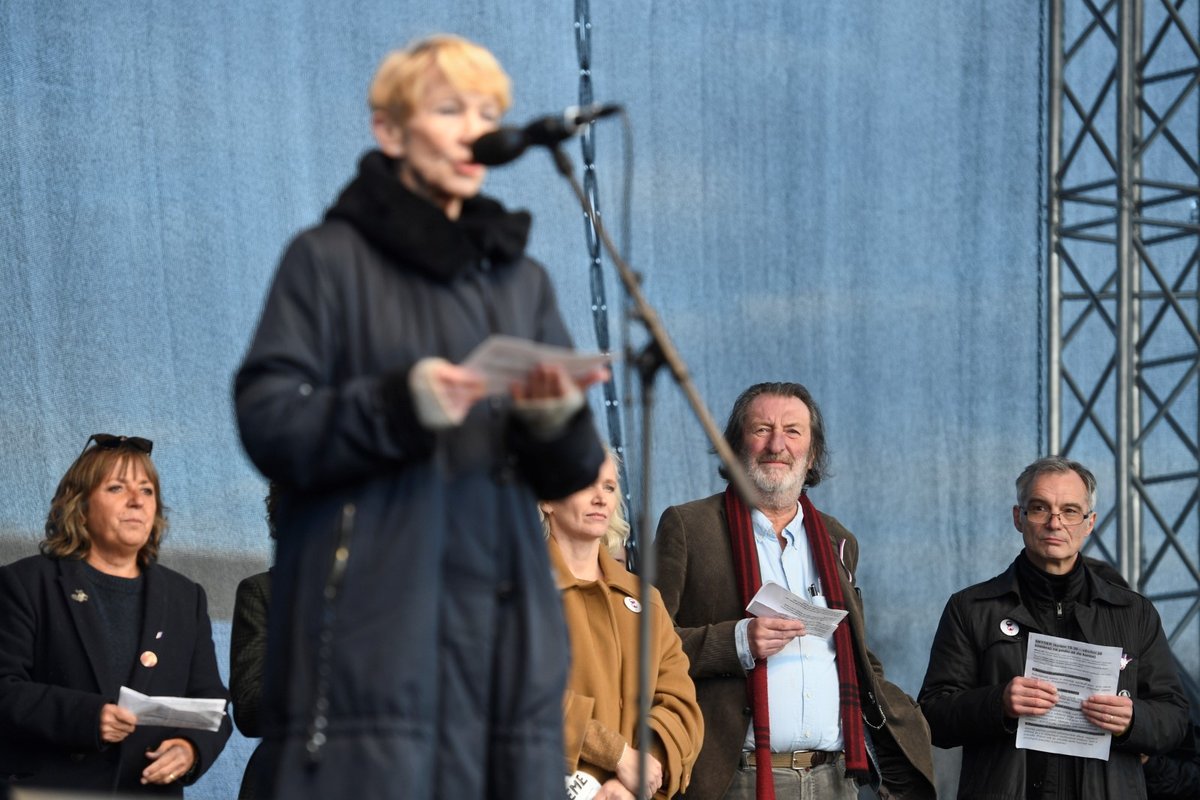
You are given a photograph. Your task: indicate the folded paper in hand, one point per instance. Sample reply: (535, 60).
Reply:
(199, 713)
(772, 600)
(505, 360)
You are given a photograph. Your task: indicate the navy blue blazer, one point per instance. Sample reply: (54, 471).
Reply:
(53, 668)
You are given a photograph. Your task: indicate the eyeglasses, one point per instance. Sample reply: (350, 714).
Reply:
(106, 441)
(1040, 514)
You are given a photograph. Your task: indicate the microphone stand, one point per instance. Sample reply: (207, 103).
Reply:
(659, 351)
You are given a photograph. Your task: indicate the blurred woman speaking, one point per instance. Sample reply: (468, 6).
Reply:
(92, 613)
(415, 641)
(601, 707)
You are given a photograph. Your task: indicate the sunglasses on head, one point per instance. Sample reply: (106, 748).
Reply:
(107, 441)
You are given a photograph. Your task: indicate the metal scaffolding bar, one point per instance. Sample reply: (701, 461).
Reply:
(1123, 288)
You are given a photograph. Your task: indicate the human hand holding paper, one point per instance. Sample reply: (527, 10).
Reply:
(507, 360)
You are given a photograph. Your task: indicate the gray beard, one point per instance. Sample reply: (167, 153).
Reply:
(776, 494)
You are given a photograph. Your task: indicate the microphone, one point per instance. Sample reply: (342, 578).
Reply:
(507, 144)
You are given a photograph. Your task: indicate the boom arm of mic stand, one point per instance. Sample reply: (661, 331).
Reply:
(659, 338)
(659, 351)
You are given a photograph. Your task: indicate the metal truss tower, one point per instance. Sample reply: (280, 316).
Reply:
(1124, 347)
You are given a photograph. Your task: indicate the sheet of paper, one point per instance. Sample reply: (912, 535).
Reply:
(772, 600)
(504, 360)
(200, 713)
(1078, 670)
(582, 786)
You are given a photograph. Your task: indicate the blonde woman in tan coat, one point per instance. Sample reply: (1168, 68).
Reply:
(600, 600)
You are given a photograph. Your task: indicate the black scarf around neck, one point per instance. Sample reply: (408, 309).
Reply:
(416, 234)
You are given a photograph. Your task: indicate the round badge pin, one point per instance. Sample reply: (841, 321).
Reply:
(148, 659)
(633, 605)
(1009, 628)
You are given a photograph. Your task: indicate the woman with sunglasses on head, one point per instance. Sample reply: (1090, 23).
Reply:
(95, 612)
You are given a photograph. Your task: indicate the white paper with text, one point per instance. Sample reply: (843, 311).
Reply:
(1078, 670)
(772, 600)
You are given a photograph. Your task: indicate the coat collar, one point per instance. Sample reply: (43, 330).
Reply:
(614, 574)
(1107, 592)
(419, 236)
(154, 629)
(1006, 585)
(617, 576)
(73, 583)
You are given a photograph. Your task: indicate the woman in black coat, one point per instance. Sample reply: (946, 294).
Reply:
(416, 644)
(247, 657)
(95, 612)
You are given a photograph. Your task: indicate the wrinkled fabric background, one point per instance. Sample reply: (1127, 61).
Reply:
(844, 194)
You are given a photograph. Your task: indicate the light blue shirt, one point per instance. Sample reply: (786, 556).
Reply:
(802, 679)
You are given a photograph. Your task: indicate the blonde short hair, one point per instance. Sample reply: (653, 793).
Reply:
(400, 80)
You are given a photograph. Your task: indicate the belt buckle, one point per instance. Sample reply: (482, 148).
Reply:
(807, 759)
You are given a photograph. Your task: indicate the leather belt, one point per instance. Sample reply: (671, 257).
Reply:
(799, 759)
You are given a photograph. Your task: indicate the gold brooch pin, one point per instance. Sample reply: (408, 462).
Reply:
(79, 596)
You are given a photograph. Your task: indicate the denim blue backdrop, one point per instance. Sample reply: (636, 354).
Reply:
(845, 194)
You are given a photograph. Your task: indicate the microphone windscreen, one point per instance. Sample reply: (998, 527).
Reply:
(499, 147)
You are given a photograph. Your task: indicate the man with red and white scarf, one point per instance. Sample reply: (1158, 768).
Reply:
(785, 715)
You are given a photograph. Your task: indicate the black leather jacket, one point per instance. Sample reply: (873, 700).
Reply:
(973, 659)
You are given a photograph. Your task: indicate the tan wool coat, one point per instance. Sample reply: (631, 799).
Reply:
(601, 702)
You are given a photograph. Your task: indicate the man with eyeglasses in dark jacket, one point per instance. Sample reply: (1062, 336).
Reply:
(975, 691)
